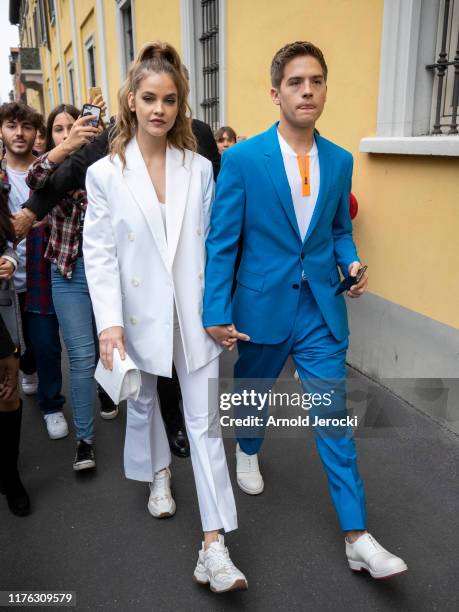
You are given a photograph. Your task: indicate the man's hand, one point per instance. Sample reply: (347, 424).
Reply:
(23, 222)
(6, 269)
(8, 378)
(226, 335)
(110, 338)
(359, 288)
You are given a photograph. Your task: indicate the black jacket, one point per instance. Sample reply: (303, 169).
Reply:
(71, 174)
(7, 347)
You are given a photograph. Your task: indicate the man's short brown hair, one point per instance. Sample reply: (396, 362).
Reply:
(289, 52)
(20, 111)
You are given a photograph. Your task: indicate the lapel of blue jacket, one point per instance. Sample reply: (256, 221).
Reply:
(325, 169)
(276, 170)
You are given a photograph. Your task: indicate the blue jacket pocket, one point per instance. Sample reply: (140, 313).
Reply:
(251, 280)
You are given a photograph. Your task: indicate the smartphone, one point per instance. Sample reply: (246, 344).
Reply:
(90, 109)
(349, 281)
(93, 92)
(360, 274)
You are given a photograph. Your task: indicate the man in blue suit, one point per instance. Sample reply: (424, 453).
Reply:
(283, 199)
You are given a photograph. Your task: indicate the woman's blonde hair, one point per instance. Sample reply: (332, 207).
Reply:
(153, 57)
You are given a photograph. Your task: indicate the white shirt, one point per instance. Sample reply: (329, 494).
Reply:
(162, 208)
(304, 205)
(19, 193)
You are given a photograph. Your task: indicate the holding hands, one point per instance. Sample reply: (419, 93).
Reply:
(226, 335)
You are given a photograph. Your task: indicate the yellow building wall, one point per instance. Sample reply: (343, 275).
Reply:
(152, 20)
(157, 20)
(54, 47)
(65, 30)
(409, 213)
(408, 220)
(85, 16)
(65, 25)
(33, 98)
(112, 45)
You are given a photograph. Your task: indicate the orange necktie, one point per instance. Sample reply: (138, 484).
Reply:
(304, 171)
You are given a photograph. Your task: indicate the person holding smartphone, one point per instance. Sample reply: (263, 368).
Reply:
(282, 198)
(66, 132)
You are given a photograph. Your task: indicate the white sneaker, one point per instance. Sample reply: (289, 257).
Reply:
(29, 383)
(56, 425)
(366, 553)
(216, 568)
(248, 474)
(161, 503)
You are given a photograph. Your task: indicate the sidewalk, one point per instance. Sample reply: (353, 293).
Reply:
(91, 533)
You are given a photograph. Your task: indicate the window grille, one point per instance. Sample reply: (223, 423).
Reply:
(210, 65)
(446, 71)
(128, 34)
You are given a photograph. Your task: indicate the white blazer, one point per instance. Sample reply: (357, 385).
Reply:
(133, 271)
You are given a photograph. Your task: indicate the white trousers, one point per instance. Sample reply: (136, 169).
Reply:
(146, 448)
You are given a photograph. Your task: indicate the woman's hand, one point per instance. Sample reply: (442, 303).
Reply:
(6, 269)
(110, 338)
(80, 134)
(226, 335)
(100, 102)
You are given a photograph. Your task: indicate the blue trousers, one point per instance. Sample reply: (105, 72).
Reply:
(46, 343)
(320, 362)
(74, 310)
(43, 355)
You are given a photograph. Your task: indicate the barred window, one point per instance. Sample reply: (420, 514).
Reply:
(60, 93)
(207, 32)
(51, 12)
(446, 70)
(126, 30)
(90, 62)
(71, 80)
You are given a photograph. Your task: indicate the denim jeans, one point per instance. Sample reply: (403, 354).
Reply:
(74, 311)
(27, 361)
(43, 355)
(46, 343)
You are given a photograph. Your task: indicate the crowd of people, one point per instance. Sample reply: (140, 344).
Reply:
(111, 237)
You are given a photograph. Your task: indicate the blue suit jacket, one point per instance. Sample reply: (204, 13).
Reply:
(253, 204)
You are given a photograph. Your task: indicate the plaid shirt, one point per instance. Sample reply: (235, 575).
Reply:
(64, 219)
(38, 270)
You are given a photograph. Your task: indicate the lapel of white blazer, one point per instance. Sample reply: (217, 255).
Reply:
(139, 184)
(178, 174)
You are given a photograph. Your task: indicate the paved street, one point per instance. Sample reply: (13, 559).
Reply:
(91, 532)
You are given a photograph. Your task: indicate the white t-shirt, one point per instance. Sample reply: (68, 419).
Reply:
(304, 205)
(19, 193)
(162, 208)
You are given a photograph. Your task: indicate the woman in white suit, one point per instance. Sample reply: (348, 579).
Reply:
(144, 248)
